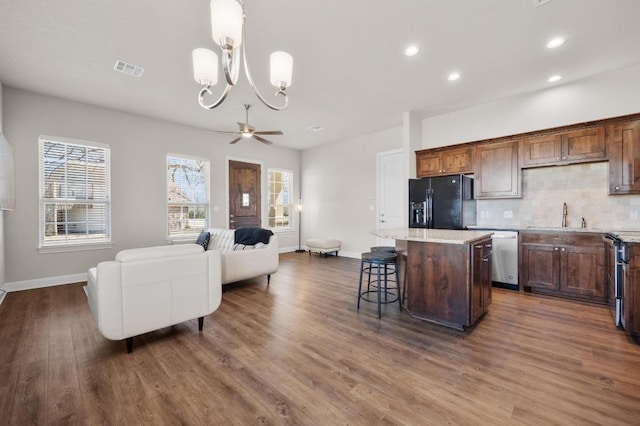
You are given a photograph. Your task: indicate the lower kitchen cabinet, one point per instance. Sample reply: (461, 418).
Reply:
(480, 279)
(568, 264)
(631, 292)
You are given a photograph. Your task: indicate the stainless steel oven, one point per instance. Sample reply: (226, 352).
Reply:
(618, 265)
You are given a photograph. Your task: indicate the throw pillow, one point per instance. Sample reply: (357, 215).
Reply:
(203, 240)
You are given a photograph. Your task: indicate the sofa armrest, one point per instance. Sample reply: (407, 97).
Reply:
(104, 291)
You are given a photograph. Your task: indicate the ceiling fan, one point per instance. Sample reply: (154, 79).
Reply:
(248, 131)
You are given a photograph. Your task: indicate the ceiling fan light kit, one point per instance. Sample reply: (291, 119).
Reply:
(228, 25)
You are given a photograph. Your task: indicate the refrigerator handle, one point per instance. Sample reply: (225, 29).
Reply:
(429, 208)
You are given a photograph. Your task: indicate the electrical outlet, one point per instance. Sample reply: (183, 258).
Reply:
(633, 214)
(372, 208)
(508, 214)
(216, 209)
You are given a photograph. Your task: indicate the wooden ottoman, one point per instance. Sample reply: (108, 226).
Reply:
(324, 246)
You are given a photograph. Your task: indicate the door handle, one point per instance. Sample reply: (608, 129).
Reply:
(382, 221)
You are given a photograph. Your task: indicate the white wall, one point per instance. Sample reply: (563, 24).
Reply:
(607, 95)
(139, 146)
(583, 187)
(339, 188)
(2, 256)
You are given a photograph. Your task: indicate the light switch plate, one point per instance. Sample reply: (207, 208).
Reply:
(633, 214)
(508, 214)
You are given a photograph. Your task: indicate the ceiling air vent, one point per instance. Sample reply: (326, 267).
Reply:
(538, 3)
(127, 68)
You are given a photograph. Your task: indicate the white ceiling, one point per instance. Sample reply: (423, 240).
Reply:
(350, 75)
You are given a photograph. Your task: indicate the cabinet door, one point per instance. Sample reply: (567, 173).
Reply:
(457, 161)
(541, 266)
(587, 144)
(486, 274)
(428, 164)
(631, 291)
(623, 142)
(541, 150)
(497, 174)
(582, 271)
(476, 282)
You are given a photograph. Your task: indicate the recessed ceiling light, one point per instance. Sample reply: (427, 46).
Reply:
(411, 50)
(454, 76)
(556, 42)
(315, 128)
(554, 78)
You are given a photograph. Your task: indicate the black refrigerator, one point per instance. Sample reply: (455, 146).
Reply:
(442, 202)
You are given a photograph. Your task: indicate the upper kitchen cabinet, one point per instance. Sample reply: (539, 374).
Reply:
(496, 171)
(444, 161)
(578, 146)
(623, 140)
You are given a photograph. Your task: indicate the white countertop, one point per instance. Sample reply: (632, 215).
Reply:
(444, 236)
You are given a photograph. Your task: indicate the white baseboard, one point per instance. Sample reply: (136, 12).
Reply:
(45, 282)
(2, 295)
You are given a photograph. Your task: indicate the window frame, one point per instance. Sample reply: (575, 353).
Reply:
(75, 244)
(291, 204)
(207, 203)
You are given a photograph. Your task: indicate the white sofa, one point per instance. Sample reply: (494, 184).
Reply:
(146, 289)
(241, 262)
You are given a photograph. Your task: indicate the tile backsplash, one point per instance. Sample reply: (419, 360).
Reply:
(584, 187)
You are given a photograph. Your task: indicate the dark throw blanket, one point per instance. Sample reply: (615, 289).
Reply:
(252, 236)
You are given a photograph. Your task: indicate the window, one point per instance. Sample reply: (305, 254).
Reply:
(187, 195)
(280, 182)
(75, 192)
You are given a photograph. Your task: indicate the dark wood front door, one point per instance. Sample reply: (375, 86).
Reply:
(244, 195)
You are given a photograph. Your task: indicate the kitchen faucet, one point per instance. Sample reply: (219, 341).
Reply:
(564, 215)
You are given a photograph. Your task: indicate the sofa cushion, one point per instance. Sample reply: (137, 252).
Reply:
(203, 239)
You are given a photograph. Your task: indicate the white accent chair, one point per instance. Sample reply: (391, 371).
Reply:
(146, 289)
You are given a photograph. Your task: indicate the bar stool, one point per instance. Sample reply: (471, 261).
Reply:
(381, 261)
(386, 249)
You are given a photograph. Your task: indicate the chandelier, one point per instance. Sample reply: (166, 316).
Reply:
(228, 22)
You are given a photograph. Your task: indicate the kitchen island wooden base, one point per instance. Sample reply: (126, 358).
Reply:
(447, 273)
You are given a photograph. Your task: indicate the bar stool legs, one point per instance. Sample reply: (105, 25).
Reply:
(382, 261)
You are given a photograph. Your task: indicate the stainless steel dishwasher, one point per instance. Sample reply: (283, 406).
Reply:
(505, 259)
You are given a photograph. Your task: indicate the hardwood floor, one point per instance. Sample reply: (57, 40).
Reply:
(298, 352)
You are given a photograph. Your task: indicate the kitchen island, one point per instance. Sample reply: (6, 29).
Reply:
(447, 273)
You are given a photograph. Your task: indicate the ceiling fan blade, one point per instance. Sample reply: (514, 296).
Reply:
(236, 139)
(270, 132)
(263, 140)
(223, 131)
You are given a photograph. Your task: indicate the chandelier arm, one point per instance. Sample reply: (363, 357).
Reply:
(231, 64)
(206, 90)
(280, 91)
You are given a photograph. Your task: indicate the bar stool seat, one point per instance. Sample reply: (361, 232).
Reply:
(384, 264)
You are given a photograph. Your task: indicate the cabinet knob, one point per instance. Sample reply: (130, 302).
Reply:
(617, 187)
(564, 158)
(562, 249)
(557, 158)
(555, 248)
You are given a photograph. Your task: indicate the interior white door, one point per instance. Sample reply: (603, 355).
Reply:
(391, 185)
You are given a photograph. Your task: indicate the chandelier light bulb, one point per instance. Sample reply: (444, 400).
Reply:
(281, 69)
(226, 22)
(205, 66)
